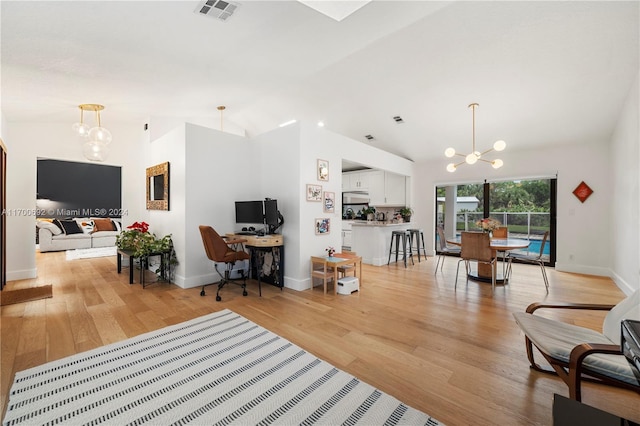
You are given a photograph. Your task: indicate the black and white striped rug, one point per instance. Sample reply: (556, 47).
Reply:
(217, 369)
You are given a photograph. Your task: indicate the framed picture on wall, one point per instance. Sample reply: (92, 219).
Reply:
(323, 170)
(314, 192)
(329, 202)
(323, 226)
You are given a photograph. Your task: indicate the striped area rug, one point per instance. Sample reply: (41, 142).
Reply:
(217, 369)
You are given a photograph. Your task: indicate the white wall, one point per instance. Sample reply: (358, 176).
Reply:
(28, 141)
(209, 170)
(583, 229)
(625, 188)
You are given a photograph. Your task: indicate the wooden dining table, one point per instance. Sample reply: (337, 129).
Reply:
(483, 270)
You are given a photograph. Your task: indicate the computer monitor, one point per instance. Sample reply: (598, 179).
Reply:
(249, 212)
(271, 212)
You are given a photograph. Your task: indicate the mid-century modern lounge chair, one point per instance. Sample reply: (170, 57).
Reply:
(578, 353)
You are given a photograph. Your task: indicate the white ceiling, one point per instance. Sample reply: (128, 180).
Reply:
(542, 72)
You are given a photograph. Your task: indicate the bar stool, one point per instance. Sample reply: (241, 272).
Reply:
(417, 235)
(400, 237)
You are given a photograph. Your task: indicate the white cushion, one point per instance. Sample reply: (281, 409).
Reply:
(557, 339)
(43, 224)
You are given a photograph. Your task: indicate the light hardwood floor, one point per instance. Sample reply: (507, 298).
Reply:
(456, 355)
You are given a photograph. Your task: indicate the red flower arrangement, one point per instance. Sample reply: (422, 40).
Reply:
(139, 226)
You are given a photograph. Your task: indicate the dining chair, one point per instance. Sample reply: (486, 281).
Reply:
(445, 249)
(534, 259)
(501, 233)
(320, 269)
(476, 246)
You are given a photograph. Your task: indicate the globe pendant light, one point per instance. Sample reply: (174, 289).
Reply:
(95, 140)
(475, 156)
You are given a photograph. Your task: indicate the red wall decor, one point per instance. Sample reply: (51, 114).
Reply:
(582, 192)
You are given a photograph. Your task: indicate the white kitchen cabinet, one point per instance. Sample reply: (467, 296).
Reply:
(387, 189)
(376, 188)
(384, 188)
(394, 189)
(355, 181)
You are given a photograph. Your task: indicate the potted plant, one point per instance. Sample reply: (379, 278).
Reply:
(142, 243)
(406, 213)
(369, 212)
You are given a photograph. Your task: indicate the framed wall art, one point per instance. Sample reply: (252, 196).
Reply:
(323, 170)
(329, 202)
(157, 183)
(582, 192)
(323, 226)
(314, 192)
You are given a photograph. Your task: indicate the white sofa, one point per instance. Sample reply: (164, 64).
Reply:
(58, 236)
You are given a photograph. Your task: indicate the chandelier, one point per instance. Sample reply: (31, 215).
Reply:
(95, 139)
(475, 156)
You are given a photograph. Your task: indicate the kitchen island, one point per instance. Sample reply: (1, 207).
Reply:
(371, 239)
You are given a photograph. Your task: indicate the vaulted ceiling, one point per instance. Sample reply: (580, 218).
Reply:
(543, 72)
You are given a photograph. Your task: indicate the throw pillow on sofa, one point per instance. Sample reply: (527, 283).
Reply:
(55, 230)
(69, 226)
(85, 224)
(103, 225)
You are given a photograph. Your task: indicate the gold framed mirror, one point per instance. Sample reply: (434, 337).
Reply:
(157, 183)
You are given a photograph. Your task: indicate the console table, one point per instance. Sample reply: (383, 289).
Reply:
(165, 263)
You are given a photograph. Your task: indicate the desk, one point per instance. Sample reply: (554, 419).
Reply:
(497, 244)
(341, 259)
(258, 247)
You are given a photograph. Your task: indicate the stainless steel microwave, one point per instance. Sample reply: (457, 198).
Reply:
(355, 197)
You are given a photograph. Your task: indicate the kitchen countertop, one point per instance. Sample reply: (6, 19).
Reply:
(376, 223)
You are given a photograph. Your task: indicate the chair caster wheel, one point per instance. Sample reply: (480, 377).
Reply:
(218, 298)
(244, 293)
(202, 293)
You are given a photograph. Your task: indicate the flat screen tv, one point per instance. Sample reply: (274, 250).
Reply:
(249, 212)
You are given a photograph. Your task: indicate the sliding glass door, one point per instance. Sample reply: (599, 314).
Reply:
(526, 207)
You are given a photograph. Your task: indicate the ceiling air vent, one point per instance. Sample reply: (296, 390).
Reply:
(369, 137)
(218, 9)
(398, 119)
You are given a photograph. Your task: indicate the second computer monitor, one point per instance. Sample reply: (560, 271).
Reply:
(271, 212)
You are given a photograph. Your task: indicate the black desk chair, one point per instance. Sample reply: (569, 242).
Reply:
(218, 250)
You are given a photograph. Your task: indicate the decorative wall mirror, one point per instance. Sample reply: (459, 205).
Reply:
(157, 183)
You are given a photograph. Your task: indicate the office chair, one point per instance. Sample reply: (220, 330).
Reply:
(218, 250)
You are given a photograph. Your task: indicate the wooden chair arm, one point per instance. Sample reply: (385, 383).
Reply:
(597, 307)
(577, 356)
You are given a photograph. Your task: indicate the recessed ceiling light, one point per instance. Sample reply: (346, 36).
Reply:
(286, 123)
(320, 124)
